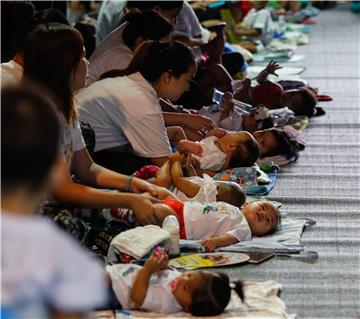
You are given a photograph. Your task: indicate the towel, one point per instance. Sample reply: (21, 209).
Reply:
(136, 242)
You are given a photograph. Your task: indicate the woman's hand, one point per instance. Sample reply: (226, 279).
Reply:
(138, 185)
(143, 208)
(199, 122)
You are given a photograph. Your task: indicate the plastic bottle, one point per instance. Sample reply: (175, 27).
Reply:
(171, 225)
(282, 25)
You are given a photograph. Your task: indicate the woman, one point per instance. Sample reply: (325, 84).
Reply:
(125, 111)
(116, 51)
(54, 56)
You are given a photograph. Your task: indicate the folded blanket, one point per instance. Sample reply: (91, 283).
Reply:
(261, 301)
(286, 239)
(136, 242)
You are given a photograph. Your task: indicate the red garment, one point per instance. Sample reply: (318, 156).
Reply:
(147, 172)
(178, 207)
(267, 94)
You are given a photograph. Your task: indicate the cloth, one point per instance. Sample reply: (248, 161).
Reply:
(283, 116)
(125, 110)
(267, 94)
(111, 54)
(244, 176)
(71, 140)
(212, 157)
(137, 242)
(260, 20)
(213, 219)
(109, 17)
(159, 296)
(178, 207)
(206, 194)
(147, 172)
(231, 123)
(35, 275)
(11, 73)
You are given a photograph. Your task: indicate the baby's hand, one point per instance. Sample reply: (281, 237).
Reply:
(157, 262)
(209, 243)
(272, 67)
(176, 157)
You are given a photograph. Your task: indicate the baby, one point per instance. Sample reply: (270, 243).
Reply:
(195, 188)
(154, 287)
(276, 141)
(229, 117)
(220, 150)
(301, 101)
(219, 224)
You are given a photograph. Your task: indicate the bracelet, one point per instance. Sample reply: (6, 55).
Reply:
(127, 187)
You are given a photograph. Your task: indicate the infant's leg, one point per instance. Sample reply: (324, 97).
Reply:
(163, 176)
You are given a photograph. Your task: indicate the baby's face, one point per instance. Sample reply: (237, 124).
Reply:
(184, 286)
(266, 140)
(261, 217)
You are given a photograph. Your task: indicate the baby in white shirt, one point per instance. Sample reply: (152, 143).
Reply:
(220, 224)
(221, 149)
(154, 287)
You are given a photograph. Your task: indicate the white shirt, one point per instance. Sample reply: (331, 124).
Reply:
(71, 140)
(125, 110)
(213, 219)
(43, 266)
(111, 54)
(109, 17)
(212, 158)
(206, 194)
(159, 297)
(230, 123)
(11, 73)
(260, 20)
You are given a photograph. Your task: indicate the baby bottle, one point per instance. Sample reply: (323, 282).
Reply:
(171, 225)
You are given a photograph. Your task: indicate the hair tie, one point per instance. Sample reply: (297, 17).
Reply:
(232, 285)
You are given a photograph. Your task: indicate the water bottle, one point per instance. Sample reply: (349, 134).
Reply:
(171, 225)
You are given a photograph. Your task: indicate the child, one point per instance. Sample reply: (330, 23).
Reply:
(154, 287)
(257, 24)
(219, 224)
(230, 118)
(220, 150)
(276, 141)
(37, 280)
(195, 188)
(301, 101)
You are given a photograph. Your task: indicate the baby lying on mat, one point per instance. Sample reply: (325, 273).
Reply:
(222, 149)
(154, 287)
(219, 224)
(194, 188)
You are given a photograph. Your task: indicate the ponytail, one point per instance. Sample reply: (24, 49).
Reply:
(153, 58)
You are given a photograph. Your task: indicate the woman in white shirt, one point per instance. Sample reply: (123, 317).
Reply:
(125, 110)
(116, 51)
(54, 56)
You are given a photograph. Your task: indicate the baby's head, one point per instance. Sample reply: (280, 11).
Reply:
(301, 101)
(262, 217)
(258, 5)
(274, 142)
(242, 147)
(231, 193)
(258, 119)
(204, 293)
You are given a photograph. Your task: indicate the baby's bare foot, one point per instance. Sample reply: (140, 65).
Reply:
(192, 147)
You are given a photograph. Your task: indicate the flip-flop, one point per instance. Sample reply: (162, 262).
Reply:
(324, 98)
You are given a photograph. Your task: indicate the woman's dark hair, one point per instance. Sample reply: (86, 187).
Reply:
(148, 25)
(153, 58)
(284, 145)
(149, 5)
(30, 133)
(51, 55)
(213, 300)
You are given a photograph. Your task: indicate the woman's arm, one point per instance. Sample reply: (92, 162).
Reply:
(196, 122)
(91, 173)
